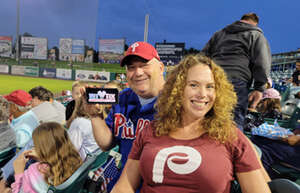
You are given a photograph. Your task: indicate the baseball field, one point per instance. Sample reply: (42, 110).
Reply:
(10, 83)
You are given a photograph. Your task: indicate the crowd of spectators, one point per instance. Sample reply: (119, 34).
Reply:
(179, 133)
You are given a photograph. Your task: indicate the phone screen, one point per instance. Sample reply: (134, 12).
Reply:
(102, 95)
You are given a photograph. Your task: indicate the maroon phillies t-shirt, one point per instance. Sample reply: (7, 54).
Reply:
(197, 165)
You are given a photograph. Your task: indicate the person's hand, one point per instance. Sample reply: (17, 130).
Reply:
(252, 110)
(19, 163)
(93, 110)
(31, 154)
(254, 98)
(296, 131)
(3, 188)
(292, 139)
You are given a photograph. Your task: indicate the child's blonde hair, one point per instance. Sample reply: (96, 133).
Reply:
(54, 148)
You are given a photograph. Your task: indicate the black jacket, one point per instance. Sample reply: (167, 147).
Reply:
(243, 52)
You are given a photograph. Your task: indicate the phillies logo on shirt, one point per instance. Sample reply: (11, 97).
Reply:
(167, 156)
(127, 127)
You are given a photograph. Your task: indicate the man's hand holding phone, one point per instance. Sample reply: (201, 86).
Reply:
(94, 97)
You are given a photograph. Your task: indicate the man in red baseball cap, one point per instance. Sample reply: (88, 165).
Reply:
(144, 72)
(141, 49)
(19, 102)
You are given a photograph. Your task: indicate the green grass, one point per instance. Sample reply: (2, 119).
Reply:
(10, 83)
(63, 64)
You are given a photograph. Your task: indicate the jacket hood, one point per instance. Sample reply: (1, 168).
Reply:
(240, 27)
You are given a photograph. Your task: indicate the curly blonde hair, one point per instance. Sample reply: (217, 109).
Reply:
(218, 121)
(54, 148)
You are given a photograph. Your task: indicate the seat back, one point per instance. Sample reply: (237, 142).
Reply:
(102, 158)
(288, 124)
(276, 186)
(258, 150)
(294, 118)
(76, 182)
(283, 186)
(289, 107)
(6, 155)
(285, 96)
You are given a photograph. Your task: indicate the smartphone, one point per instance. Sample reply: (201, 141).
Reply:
(102, 95)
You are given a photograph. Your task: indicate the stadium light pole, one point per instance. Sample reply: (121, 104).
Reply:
(146, 28)
(17, 35)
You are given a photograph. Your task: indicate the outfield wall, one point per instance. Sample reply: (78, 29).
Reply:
(58, 73)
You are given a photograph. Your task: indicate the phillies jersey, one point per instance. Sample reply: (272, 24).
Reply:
(199, 165)
(126, 120)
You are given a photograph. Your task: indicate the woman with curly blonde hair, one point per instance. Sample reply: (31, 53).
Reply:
(57, 160)
(193, 145)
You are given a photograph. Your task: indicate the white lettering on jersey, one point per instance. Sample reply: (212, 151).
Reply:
(193, 161)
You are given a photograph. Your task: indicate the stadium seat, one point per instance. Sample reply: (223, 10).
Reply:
(284, 170)
(258, 150)
(76, 182)
(6, 155)
(102, 158)
(283, 186)
(288, 124)
(276, 186)
(284, 96)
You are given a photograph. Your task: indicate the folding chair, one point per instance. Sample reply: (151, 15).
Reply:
(76, 182)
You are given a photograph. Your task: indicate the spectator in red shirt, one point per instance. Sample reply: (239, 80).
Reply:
(193, 145)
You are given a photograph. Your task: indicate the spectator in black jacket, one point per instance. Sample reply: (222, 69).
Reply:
(243, 52)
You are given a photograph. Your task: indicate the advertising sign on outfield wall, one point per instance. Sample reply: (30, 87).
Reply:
(4, 68)
(5, 46)
(64, 73)
(25, 70)
(48, 72)
(94, 76)
(31, 71)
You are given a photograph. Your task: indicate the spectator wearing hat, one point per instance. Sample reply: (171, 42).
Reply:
(144, 72)
(269, 106)
(19, 103)
(274, 151)
(44, 109)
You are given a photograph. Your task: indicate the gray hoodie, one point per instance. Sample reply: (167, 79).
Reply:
(243, 52)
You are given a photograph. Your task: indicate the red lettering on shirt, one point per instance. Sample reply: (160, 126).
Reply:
(120, 120)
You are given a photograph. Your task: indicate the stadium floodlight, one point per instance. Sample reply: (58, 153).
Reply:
(146, 28)
(17, 48)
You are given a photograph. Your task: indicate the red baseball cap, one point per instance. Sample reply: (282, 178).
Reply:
(141, 49)
(19, 97)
